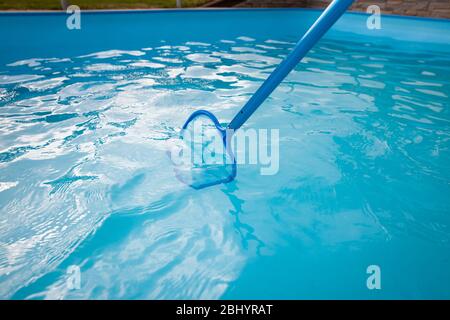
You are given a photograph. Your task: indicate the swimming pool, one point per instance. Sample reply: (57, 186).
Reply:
(86, 116)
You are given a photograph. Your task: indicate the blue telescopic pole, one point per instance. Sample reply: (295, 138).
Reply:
(331, 14)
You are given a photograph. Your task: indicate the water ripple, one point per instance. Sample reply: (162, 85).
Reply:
(85, 180)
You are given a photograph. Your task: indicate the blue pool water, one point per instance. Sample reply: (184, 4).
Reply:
(85, 120)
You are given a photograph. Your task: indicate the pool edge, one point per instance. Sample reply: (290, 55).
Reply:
(201, 9)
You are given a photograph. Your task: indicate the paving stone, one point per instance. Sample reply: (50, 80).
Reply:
(425, 8)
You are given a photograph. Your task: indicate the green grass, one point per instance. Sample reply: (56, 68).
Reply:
(95, 4)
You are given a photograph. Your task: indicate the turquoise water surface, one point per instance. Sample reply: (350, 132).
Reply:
(86, 117)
